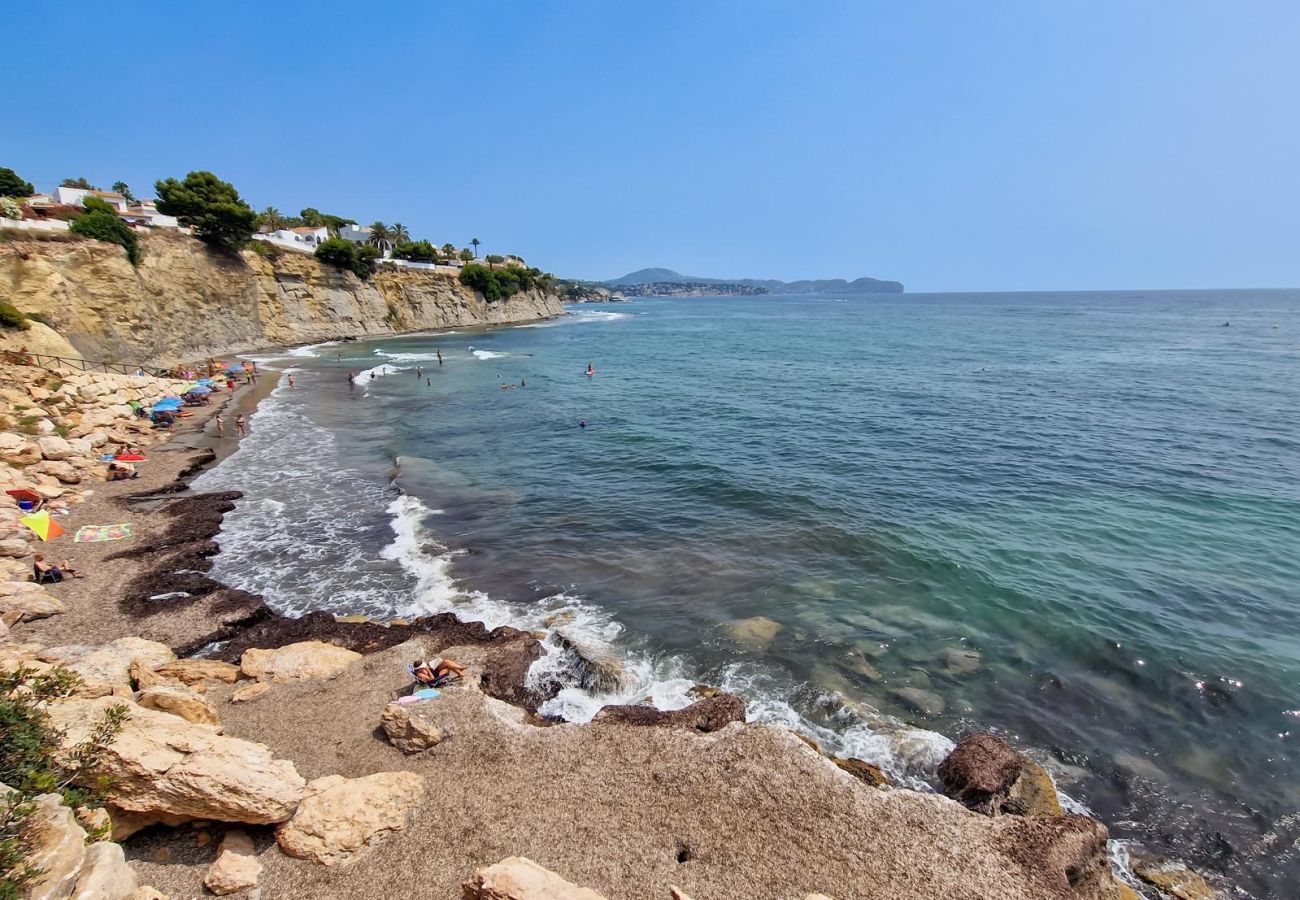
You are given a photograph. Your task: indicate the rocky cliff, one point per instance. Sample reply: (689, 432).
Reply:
(186, 301)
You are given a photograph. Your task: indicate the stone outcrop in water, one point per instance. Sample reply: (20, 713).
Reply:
(985, 774)
(187, 301)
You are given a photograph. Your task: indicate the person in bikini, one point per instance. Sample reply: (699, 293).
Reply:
(436, 673)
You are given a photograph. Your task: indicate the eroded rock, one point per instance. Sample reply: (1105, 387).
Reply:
(757, 632)
(162, 765)
(704, 716)
(249, 692)
(862, 770)
(197, 671)
(179, 701)
(519, 878)
(1172, 878)
(340, 818)
(297, 662)
(237, 867)
(410, 727)
(985, 774)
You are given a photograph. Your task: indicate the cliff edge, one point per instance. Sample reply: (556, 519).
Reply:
(186, 301)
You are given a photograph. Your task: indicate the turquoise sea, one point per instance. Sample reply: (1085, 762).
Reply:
(886, 521)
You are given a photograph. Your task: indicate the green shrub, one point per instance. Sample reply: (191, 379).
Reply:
(40, 317)
(341, 254)
(10, 317)
(417, 251)
(33, 762)
(27, 424)
(100, 222)
(497, 284)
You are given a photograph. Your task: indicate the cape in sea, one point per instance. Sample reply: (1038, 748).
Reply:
(885, 522)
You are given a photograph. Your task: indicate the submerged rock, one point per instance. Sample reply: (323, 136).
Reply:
(703, 716)
(519, 878)
(957, 663)
(1172, 878)
(757, 632)
(920, 701)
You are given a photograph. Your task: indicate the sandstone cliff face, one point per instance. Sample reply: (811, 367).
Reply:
(186, 302)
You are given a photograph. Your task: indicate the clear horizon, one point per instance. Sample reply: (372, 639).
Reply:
(1016, 147)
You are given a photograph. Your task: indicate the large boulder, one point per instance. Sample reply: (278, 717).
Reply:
(161, 765)
(296, 662)
(985, 774)
(179, 701)
(195, 672)
(410, 726)
(69, 867)
(14, 546)
(111, 663)
(703, 716)
(54, 447)
(1172, 879)
(519, 878)
(30, 599)
(236, 868)
(340, 818)
(757, 633)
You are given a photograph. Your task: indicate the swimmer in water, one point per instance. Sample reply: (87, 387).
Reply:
(429, 382)
(523, 382)
(439, 352)
(582, 423)
(591, 370)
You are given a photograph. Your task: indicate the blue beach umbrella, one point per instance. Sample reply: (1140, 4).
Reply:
(200, 391)
(235, 369)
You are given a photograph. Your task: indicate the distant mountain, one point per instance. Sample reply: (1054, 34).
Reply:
(652, 278)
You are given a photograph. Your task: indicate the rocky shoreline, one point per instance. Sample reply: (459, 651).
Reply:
(264, 754)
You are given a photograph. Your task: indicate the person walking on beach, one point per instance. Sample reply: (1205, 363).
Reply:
(241, 426)
(221, 427)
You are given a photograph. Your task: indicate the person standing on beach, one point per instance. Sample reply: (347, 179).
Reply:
(241, 426)
(221, 427)
(419, 372)
(439, 352)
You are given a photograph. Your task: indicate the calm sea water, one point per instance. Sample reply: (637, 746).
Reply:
(1071, 518)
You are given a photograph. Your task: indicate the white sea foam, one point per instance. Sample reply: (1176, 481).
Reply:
(486, 354)
(580, 317)
(407, 357)
(309, 349)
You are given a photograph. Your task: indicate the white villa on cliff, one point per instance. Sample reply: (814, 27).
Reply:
(141, 214)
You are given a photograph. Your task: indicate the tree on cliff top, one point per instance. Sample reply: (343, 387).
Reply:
(80, 183)
(13, 186)
(475, 242)
(122, 188)
(100, 221)
(314, 218)
(212, 207)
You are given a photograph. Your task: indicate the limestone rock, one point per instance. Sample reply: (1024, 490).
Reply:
(519, 878)
(63, 471)
(162, 765)
(111, 663)
(249, 692)
(294, 662)
(985, 774)
(863, 771)
(703, 716)
(410, 727)
(30, 599)
(105, 874)
(58, 849)
(340, 818)
(15, 547)
(757, 633)
(237, 867)
(148, 893)
(179, 701)
(600, 668)
(1172, 878)
(196, 671)
(54, 447)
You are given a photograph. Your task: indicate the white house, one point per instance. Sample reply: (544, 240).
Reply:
(357, 234)
(305, 238)
(67, 196)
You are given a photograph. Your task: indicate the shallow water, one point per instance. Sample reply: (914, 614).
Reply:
(1095, 493)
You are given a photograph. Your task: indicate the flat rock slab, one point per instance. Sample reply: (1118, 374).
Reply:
(519, 878)
(340, 818)
(296, 662)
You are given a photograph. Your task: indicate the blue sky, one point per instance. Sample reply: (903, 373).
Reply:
(1071, 144)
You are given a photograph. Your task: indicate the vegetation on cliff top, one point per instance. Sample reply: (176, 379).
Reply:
(212, 207)
(100, 221)
(13, 186)
(358, 259)
(498, 284)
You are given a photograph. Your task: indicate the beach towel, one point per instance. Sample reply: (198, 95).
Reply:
(422, 694)
(93, 534)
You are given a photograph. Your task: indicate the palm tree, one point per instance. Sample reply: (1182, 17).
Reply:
(399, 234)
(449, 248)
(475, 242)
(272, 219)
(380, 235)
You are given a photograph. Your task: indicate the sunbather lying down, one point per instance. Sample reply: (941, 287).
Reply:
(436, 673)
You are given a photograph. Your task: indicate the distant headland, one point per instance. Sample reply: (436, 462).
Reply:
(658, 282)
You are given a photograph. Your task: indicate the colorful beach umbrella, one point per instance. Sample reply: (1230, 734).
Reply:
(235, 369)
(46, 528)
(200, 390)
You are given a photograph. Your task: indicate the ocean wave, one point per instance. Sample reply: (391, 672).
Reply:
(486, 354)
(407, 357)
(580, 317)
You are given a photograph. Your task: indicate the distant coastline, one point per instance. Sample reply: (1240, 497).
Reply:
(658, 282)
